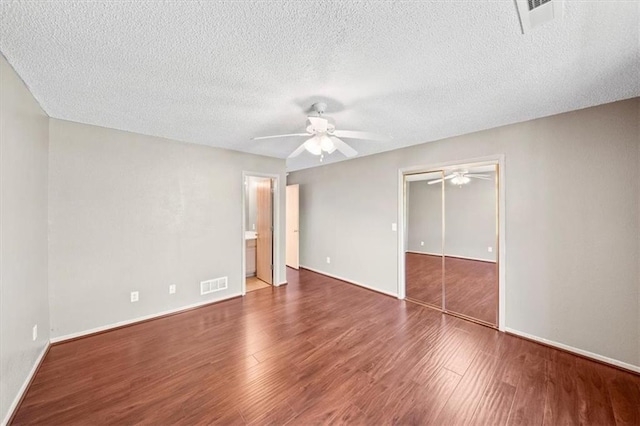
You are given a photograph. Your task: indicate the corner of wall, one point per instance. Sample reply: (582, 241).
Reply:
(24, 303)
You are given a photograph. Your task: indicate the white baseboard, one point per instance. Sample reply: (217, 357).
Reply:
(139, 319)
(349, 281)
(451, 255)
(423, 252)
(25, 385)
(577, 351)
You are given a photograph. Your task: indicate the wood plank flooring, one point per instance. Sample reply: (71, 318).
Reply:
(424, 278)
(321, 351)
(470, 286)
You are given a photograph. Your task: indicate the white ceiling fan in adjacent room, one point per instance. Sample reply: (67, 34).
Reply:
(323, 136)
(461, 177)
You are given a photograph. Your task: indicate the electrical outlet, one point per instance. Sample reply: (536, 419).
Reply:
(328, 259)
(134, 296)
(253, 225)
(422, 243)
(172, 289)
(490, 249)
(34, 332)
(394, 226)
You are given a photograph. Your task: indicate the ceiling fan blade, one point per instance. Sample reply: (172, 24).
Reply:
(476, 175)
(479, 177)
(353, 134)
(280, 136)
(431, 182)
(343, 147)
(297, 152)
(319, 124)
(451, 176)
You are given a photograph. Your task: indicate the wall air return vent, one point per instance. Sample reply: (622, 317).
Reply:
(213, 285)
(534, 13)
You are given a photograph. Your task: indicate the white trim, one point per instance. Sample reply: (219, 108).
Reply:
(502, 245)
(139, 319)
(276, 228)
(452, 255)
(377, 290)
(402, 235)
(23, 388)
(577, 351)
(492, 159)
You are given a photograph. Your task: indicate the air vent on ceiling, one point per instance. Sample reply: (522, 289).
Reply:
(536, 3)
(215, 284)
(534, 13)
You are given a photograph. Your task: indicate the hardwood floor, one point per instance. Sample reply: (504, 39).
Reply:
(321, 351)
(470, 286)
(424, 278)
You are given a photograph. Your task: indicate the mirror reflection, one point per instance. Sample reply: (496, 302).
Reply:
(424, 257)
(470, 243)
(451, 241)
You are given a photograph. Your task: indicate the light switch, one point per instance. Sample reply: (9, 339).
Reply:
(394, 226)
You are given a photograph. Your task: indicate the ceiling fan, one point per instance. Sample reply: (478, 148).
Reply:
(461, 177)
(323, 136)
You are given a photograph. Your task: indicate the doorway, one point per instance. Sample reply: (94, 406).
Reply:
(452, 239)
(258, 230)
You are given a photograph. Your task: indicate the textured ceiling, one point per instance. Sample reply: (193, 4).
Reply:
(218, 73)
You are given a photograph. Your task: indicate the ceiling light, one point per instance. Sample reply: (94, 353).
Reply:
(319, 144)
(313, 146)
(327, 144)
(460, 180)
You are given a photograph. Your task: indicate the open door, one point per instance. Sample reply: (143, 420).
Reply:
(264, 235)
(293, 221)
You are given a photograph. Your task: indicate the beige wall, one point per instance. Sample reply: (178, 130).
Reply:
(572, 207)
(129, 212)
(23, 228)
(424, 217)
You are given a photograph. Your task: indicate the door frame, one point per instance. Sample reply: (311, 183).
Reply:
(297, 231)
(275, 199)
(502, 248)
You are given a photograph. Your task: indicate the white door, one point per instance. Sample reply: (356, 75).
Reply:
(293, 222)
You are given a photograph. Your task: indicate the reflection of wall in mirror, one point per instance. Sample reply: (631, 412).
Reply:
(424, 217)
(470, 218)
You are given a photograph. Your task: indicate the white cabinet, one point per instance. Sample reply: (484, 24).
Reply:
(250, 257)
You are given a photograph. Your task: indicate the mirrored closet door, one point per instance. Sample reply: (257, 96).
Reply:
(424, 238)
(471, 244)
(451, 241)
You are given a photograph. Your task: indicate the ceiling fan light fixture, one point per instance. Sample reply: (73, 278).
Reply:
(323, 136)
(326, 144)
(319, 144)
(460, 180)
(320, 125)
(313, 146)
